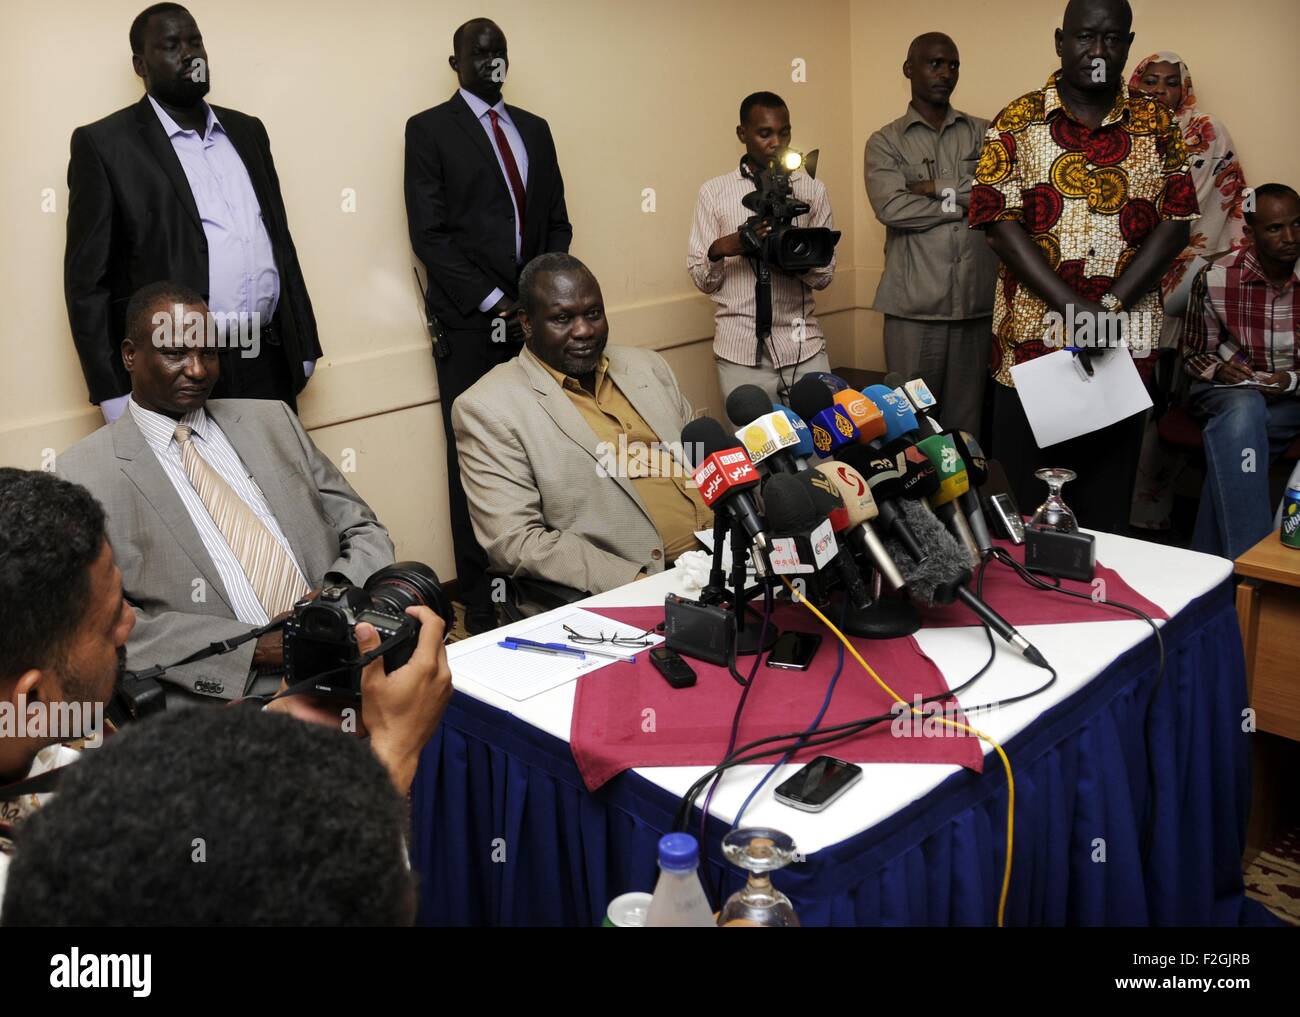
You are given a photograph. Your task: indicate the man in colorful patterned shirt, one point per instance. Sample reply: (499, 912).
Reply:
(1085, 193)
(1243, 324)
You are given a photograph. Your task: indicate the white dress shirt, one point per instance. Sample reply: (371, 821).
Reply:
(516, 141)
(215, 448)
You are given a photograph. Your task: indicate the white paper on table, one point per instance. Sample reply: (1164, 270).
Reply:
(1061, 402)
(522, 674)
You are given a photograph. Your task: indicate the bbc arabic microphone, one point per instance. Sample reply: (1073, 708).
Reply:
(764, 432)
(724, 475)
(943, 577)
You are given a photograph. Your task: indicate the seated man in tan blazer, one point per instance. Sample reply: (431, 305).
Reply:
(571, 452)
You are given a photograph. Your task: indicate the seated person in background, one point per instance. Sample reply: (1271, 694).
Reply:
(217, 817)
(571, 452)
(222, 512)
(1243, 324)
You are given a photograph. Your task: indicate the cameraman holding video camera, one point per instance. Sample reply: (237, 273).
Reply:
(726, 265)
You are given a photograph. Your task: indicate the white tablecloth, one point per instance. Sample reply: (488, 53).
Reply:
(1167, 576)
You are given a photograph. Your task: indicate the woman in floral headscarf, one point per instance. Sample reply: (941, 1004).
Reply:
(1220, 187)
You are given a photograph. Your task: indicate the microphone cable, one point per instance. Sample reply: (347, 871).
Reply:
(1148, 828)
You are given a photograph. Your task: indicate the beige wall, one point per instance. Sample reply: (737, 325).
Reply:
(638, 95)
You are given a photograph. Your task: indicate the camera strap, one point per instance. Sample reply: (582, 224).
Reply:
(211, 650)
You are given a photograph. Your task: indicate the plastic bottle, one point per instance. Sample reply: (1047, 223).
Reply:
(679, 900)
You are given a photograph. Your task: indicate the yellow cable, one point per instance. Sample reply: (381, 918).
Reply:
(1006, 763)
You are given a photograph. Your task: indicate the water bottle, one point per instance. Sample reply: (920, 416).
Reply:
(1291, 516)
(679, 900)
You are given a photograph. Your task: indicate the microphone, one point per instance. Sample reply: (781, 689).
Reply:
(953, 483)
(918, 393)
(977, 470)
(826, 501)
(833, 382)
(860, 506)
(803, 539)
(764, 433)
(900, 420)
(724, 475)
(920, 478)
(831, 427)
(942, 578)
(884, 477)
(804, 449)
(865, 414)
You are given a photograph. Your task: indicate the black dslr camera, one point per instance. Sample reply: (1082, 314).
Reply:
(791, 248)
(320, 644)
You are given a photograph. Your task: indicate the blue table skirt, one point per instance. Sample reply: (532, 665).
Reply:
(505, 833)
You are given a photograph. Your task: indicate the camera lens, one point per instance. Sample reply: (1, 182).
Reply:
(409, 584)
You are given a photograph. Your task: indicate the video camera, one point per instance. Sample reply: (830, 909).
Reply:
(791, 248)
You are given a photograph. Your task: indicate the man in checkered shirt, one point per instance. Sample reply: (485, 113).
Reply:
(1239, 342)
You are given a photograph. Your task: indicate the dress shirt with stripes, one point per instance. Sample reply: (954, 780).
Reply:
(215, 448)
(730, 281)
(1233, 301)
(242, 276)
(508, 128)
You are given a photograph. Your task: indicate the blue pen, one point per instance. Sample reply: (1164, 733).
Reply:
(553, 649)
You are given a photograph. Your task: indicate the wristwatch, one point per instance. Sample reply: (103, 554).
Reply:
(1111, 302)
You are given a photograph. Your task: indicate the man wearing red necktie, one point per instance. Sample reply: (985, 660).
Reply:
(484, 196)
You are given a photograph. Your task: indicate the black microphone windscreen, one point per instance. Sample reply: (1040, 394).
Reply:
(946, 563)
(701, 438)
(809, 396)
(788, 506)
(746, 404)
(885, 483)
(894, 380)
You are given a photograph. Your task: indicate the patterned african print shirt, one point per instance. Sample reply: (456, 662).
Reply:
(1088, 198)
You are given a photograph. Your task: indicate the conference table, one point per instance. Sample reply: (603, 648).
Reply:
(504, 832)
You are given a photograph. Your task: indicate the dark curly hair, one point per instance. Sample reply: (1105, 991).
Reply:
(51, 532)
(217, 817)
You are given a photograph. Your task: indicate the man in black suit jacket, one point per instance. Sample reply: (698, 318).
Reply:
(483, 197)
(135, 217)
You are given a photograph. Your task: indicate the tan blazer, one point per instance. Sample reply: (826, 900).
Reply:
(544, 497)
(161, 554)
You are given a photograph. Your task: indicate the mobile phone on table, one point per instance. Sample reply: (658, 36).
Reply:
(818, 783)
(678, 673)
(794, 651)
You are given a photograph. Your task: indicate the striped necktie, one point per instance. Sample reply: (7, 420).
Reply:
(271, 571)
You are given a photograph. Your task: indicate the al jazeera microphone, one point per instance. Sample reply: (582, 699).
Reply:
(865, 414)
(830, 426)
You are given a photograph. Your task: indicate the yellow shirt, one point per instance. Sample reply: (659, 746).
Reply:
(660, 482)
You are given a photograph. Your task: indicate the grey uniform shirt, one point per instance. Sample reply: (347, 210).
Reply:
(935, 268)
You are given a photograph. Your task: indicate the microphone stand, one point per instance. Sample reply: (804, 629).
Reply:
(716, 592)
(746, 638)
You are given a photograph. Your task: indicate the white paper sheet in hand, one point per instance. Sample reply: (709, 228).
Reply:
(1062, 403)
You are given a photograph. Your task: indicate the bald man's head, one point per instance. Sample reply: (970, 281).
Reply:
(1093, 43)
(932, 66)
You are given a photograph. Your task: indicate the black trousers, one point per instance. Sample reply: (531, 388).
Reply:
(473, 354)
(265, 376)
(1105, 461)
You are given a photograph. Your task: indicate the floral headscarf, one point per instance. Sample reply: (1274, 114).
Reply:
(1220, 186)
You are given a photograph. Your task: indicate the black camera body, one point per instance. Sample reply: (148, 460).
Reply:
(320, 643)
(791, 248)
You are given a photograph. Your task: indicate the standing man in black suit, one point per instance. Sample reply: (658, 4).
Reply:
(483, 197)
(172, 188)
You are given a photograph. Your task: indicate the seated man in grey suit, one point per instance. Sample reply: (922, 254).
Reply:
(222, 513)
(571, 452)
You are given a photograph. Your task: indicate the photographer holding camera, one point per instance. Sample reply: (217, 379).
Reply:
(223, 512)
(67, 623)
(764, 337)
